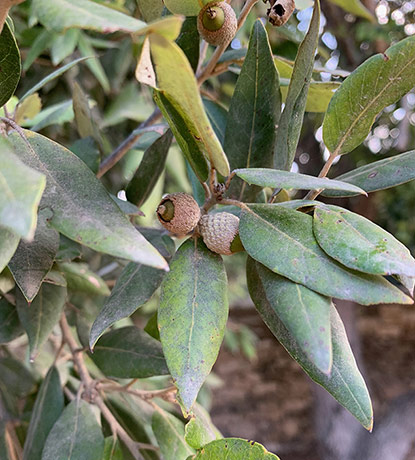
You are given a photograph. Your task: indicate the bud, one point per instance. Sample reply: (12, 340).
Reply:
(179, 213)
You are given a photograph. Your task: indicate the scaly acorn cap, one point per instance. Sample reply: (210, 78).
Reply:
(217, 23)
(220, 232)
(280, 11)
(178, 213)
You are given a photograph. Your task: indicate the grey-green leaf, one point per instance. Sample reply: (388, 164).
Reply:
(40, 317)
(15, 377)
(82, 209)
(192, 316)
(10, 326)
(21, 188)
(380, 175)
(149, 171)
(32, 261)
(61, 15)
(76, 435)
(378, 82)
(129, 353)
(234, 449)
(360, 244)
(189, 41)
(345, 383)
(355, 7)
(282, 239)
(304, 313)
(57, 73)
(169, 432)
(291, 121)
(48, 408)
(254, 112)
(191, 149)
(200, 429)
(112, 449)
(10, 64)
(8, 245)
(81, 279)
(285, 179)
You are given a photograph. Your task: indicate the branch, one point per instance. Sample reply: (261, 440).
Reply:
(90, 389)
(313, 194)
(127, 144)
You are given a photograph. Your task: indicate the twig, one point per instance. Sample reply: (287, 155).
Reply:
(145, 395)
(313, 194)
(90, 389)
(207, 72)
(127, 144)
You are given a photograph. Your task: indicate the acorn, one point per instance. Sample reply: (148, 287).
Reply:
(217, 23)
(280, 11)
(220, 232)
(179, 213)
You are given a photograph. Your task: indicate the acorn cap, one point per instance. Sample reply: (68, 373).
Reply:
(179, 213)
(280, 11)
(220, 232)
(217, 23)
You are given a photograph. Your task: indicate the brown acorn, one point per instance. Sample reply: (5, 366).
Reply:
(280, 11)
(179, 213)
(220, 232)
(217, 23)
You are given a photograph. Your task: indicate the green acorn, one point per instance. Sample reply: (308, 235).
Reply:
(217, 23)
(178, 213)
(220, 232)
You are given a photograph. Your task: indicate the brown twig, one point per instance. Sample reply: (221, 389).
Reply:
(313, 194)
(127, 144)
(91, 392)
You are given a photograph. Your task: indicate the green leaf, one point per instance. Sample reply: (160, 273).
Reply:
(76, 435)
(319, 95)
(192, 316)
(87, 150)
(200, 430)
(28, 109)
(381, 174)
(183, 90)
(112, 449)
(41, 42)
(169, 432)
(10, 327)
(68, 250)
(82, 209)
(8, 245)
(189, 41)
(64, 45)
(150, 9)
(186, 7)
(233, 449)
(185, 135)
(304, 313)
(360, 244)
(81, 279)
(136, 284)
(289, 129)
(55, 114)
(85, 123)
(10, 64)
(345, 383)
(21, 188)
(254, 112)
(378, 82)
(218, 117)
(40, 317)
(62, 15)
(48, 408)
(355, 7)
(283, 241)
(57, 73)
(150, 169)
(129, 353)
(32, 261)
(15, 377)
(285, 179)
(152, 327)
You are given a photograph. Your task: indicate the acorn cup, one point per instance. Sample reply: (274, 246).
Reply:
(178, 213)
(280, 11)
(220, 232)
(217, 23)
